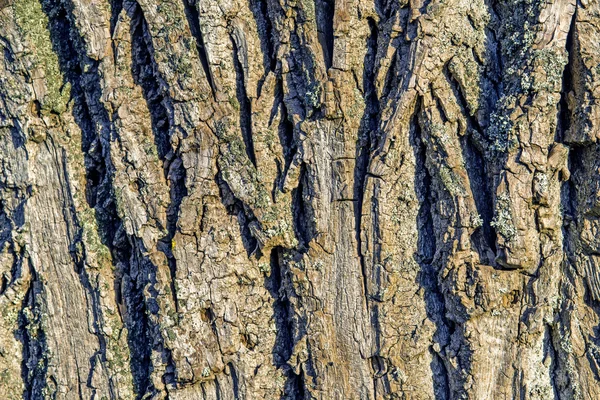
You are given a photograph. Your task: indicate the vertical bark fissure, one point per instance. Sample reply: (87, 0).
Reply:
(244, 215)
(260, 10)
(193, 18)
(285, 132)
(427, 247)
(368, 128)
(146, 75)
(284, 344)
(116, 6)
(301, 210)
(324, 14)
(568, 188)
(245, 106)
(564, 114)
(551, 352)
(90, 114)
(62, 34)
(478, 172)
(234, 379)
(35, 347)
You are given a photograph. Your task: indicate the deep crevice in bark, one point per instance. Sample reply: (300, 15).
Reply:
(367, 129)
(564, 114)
(244, 216)
(302, 211)
(146, 75)
(65, 41)
(116, 6)
(89, 112)
(484, 237)
(193, 18)
(285, 341)
(235, 381)
(285, 132)
(260, 10)
(428, 276)
(550, 351)
(245, 106)
(35, 348)
(324, 12)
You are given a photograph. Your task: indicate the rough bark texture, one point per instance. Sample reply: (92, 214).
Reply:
(299, 199)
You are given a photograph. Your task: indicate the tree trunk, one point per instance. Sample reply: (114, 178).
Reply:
(299, 199)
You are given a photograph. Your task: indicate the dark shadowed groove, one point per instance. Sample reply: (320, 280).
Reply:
(62, 33)
(391, 77)
(428, 275)
(244, 215)
(576, 153)
(177, 192)
(116, 6)
(90, 114)
(35, 348)
(277, 283)
(193, 18)
(285, 132)
(550, 351)
(295, 387)
(562, 371)
(478, 171)
(564, 114)
(302, 210)
(284, 342)
(234, 381)
(383, 9)
(370, 269)
(324, 12)
(146, 75)
(9, 224)
(260, 11)
(245, 106)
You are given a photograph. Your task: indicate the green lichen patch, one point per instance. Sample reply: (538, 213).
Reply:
(552, 62)
(451, 182)
(502, 221)
(33, 24)
(91, 238)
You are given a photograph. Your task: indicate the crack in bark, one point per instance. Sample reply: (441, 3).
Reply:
(302, 210)
(324, 11)
(278, 284)
(245, 216)
(245, 110)
(146, 75)
(35, 347)
(427, 250)
(60, 18)
(193, 18)
(260, 11)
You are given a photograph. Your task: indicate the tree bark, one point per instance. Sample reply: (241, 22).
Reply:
(299, 199)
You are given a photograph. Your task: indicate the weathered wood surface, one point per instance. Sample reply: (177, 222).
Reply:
(299, 199)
